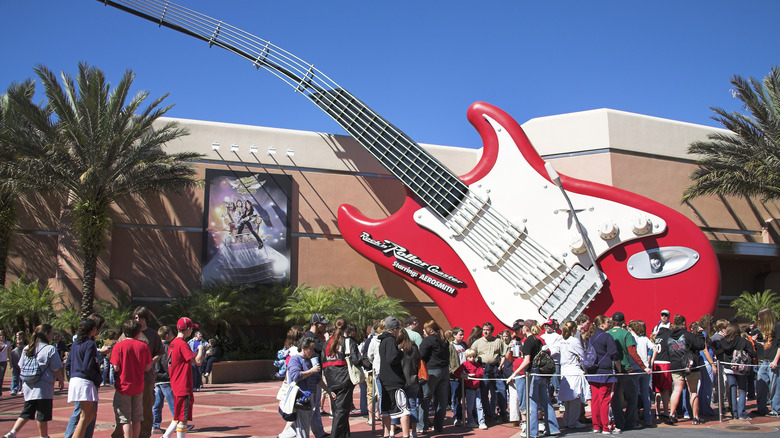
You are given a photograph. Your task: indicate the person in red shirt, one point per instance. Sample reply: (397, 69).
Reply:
(130, 359)
(180, 360)
(469, 370)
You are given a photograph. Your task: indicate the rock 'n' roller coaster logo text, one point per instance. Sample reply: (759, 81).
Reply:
(413, 266)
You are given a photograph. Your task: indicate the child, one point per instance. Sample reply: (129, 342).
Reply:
(181, 358)
(130, 358)
(472, 370)
(38, 395)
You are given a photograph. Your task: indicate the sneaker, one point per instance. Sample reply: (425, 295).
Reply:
(10, 435)
(522, 427)
(13, 393)
(773, 413)
(616, 431)
(190, 427)
(596, 430)
(458, 423)
(472, 425)
(482, 426)
(606, 432)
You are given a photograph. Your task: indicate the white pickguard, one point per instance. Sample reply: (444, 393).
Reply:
(535, 205)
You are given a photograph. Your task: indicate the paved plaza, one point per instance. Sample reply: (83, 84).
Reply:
(249, 410)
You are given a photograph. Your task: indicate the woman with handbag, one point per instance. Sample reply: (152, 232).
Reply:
(340, 349)
(435, 352)
(305, 372)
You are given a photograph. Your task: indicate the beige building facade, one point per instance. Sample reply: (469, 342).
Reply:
(155, 248)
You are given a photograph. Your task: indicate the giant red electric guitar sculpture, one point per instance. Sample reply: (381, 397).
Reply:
(508, 240)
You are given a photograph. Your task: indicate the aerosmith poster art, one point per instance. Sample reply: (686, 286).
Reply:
(247, 228)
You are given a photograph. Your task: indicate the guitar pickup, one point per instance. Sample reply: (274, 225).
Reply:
(575, 291)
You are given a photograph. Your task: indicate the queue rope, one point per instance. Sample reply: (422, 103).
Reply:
(597, 375)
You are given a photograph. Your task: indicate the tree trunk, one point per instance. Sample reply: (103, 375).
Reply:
(88, 286)
(7, 223)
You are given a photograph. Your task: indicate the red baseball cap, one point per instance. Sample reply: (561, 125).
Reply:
(185, 323)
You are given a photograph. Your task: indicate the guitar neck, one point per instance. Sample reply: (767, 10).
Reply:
(422, 174)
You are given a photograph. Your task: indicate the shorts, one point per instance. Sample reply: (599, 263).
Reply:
(662, 381)
(129, 408)
(394, 403)
(38, 410)
(692, 378)
(182, 407)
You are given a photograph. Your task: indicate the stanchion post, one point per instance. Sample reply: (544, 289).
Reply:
(528, 402)
(463, 407)
(719, 376)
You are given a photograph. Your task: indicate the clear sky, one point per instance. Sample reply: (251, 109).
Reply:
(420, 63)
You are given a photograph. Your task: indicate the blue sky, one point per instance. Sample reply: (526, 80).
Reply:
(420, 64)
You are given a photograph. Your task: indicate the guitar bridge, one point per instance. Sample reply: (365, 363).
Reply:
(577, 289)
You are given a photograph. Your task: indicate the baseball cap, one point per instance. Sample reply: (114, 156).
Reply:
(517, 325)
(185, 323)
(391, 323)
(618, 317)
(548, 322)
(529, 323)
(318, 318)
(665, 312)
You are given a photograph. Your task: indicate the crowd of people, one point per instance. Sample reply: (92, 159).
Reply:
(630, 376)
(147, 367)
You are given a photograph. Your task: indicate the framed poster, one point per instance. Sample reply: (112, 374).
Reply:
(247, 238)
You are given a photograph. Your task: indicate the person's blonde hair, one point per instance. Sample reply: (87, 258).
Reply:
(470, 353)
(766, 325)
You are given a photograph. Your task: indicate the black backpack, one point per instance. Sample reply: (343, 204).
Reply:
(678, 349)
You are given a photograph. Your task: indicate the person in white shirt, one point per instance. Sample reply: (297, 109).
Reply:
(664, 322)
(644, 346)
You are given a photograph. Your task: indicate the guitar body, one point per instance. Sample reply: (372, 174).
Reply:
(411, 243)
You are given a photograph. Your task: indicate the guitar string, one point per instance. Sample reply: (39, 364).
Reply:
(218, 27)
(310, 76)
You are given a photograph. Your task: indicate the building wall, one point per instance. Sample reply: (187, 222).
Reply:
(154, 249)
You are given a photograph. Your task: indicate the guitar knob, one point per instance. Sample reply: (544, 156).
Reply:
(577, 245)
(641, 225)
(608, 230)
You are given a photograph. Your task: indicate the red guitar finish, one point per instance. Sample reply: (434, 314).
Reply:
(692, 293)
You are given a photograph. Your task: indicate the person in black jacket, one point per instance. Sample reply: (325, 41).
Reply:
(736, 380)
(684, 348)
(435, 352)
(391, 379)
(339, 350)
(317, 333)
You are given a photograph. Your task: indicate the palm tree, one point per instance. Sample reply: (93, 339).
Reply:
(26, 305)
(9, 121)
(94, 145)
(745, 162)
(362, 308)
(305, 301)
(216, 308)
(748, 304)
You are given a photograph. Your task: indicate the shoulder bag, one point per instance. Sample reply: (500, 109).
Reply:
(356, 374)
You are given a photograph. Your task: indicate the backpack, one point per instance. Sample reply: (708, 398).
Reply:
(30, 371)
(589, 362)
(740, 361)
(678, 349)
(543, 363)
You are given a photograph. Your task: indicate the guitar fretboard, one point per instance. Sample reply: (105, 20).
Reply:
(434, 184)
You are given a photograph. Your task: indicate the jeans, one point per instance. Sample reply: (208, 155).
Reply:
(474, 401)
(774, 388)
(643, 382)
(108, 372)
(540, 396)
(501, 395)
(197, 377)
(74, 420)
(436, 388)
(705, 392)
(626, 385)
(16, 380)
(555, 381)
(300, 427)
(413, 401)
(737, 384)
(363, 398)
(488, 389)
(457, 409)
(162, 394)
